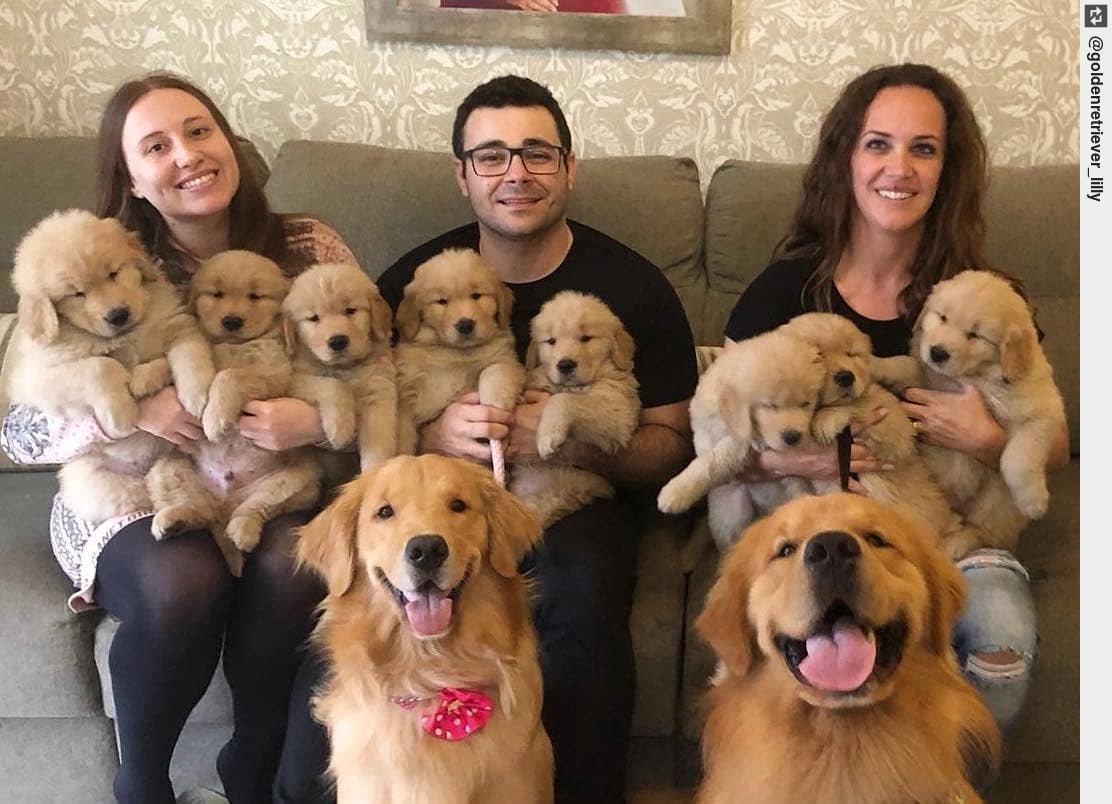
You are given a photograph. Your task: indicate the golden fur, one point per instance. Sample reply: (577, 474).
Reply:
(851, 394)
(100, 328)
(914, 731)
(337, 330)
(363, 546)
(453, 337)
(225, 483)
(759, 394)
(986, 333)
(580, 353)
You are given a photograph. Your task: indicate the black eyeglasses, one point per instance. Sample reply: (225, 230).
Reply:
(494, 160)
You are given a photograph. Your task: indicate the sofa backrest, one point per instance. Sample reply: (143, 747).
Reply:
(1032, 216)
(385, 201)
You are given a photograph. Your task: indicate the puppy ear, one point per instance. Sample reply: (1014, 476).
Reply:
(532, 358)
(734, 409)
(1016, 352)
(327, 542)
(39, 318)
(513, 528)
(946, 588)
(408, 318)
(623, 349)
(289, 334)
(382, 320)
(724, 621)
(505, 305)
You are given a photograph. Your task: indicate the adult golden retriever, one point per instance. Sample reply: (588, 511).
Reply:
(581, 354)
(100, 327)
(224, 483)
(453, 337)
(851, 395)
(426, 609)
(837, 682)
(759, 394)
(975, 328)
(337, 330)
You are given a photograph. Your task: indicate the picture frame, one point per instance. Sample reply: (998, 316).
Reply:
(669, 26)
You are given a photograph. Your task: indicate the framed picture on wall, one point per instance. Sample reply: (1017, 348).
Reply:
(672, 26)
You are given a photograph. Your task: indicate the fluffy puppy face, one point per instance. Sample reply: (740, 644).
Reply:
(577, 338)
(87, 271)
(973, 325)
(336, 311)
(454, 299)
(832, 592)
(237, 296)
(846, 352)
(419, 530)
(768, 390)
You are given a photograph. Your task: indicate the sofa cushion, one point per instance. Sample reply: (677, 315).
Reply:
(46, 667)
(386, 201)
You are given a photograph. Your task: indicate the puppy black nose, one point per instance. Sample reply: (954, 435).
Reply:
(337, 343)
(117, 316)
(426, 553)
(232, 322)
(566, 366)
(844, 378)
(465, 326)
(791, 437)
(831, 549)
(939, 354)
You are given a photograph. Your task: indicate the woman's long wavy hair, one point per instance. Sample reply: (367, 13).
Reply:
(953, 237)
(252, 225)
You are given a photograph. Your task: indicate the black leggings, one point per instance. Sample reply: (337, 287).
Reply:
(177, 603)
(584, 569)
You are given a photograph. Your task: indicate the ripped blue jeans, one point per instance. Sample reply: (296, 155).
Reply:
(999, 615)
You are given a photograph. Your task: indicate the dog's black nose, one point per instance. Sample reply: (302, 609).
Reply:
(426, 553)
(117, 316)
(939, 354)
(831, 549)
(337, 343)
(844, 378)
(232, 322)
(465, 326)
(791, 437)
(566, 366)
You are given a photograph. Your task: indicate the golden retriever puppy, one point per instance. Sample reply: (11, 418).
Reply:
(337, 329)
(976, 328)
(760, 394)
(850, 395)
(225, 483)
(453, 337)
(102, 327)
(434, 690)
(837, 682)
(580, 353)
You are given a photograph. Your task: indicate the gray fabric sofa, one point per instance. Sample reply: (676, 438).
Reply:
(56, 735)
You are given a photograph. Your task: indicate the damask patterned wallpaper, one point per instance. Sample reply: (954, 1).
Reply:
(285, 69)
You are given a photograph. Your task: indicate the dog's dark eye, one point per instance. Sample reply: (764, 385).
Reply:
(476, 296)
(385, 512)
(584, 338)
(786, 549)
(876, 540)
(942, 318)
(254, 296)
(551, 341)
(349, 311)
(218, 294)
(441, 301)
(458, 505)
(112, 275)
(971, 335)
(80, 294)
(314, 318)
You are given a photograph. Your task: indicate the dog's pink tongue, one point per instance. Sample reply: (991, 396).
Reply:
(429, 614)
(840, 662)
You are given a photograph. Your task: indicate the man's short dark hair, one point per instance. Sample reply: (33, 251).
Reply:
(508, 90)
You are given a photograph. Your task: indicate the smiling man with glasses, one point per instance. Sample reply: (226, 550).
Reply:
(514, 162)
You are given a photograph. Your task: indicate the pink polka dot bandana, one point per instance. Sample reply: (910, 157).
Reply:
(458, 713)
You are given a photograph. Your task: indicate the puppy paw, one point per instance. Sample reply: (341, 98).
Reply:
(828, 422)
(244, 532)
(549, 441)
(217, 420)
(338, 426)
(118, 420)
(958, 543)
(174, 520)
(149, 378)
(193, 398)
(677, 496)
(1032, 500)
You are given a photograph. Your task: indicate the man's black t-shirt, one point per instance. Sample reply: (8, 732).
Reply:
(777, 295)
(630, 285)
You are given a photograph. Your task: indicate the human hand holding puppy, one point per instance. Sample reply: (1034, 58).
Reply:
(281, 424)
(956, 420)
(162, 415)
(457, 430)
